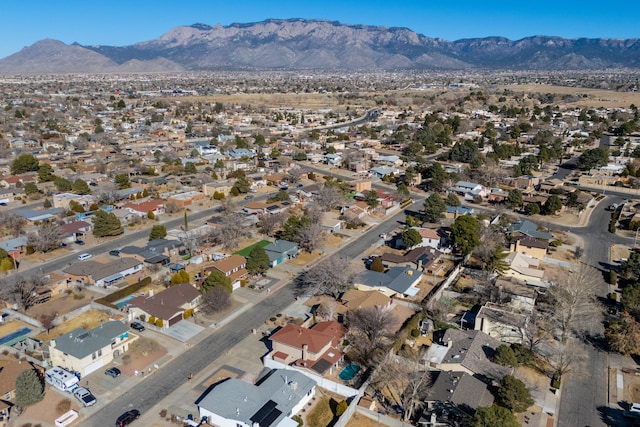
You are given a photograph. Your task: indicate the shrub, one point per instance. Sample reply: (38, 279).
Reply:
(298, 419)
(152, 320)
(188, 313)
(341, 408)
(63, 406)
(159, 323)
(163, 413)
(556, 379)
(415, 333)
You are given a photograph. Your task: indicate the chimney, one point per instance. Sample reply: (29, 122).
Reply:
(150, 292)
(448, 344)
(305, 350)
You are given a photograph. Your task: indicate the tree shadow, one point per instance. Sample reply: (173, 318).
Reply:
(614, 416)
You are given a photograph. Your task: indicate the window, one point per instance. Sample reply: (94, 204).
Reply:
(100, 352)
(93, 356)
(7, 396)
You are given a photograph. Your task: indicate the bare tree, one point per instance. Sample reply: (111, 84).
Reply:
(535, 331)
(328, 309)
(293, 175)
(370, 333)
(47, 320)
(331, 276)
(13, 223)
(310, 237)
(568, 356)
(573, 302)
(407, 377)
(328, 198)
(228, 206)
(215, 300)
(22, 290)
(171, 207)
(46, 239)
(491, 237)
(230, 231)
(107, 194)
(270, 224)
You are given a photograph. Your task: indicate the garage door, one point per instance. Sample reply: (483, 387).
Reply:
(93, 367)
(175, 319)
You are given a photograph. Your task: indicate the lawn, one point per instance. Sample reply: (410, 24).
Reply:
(246, 251)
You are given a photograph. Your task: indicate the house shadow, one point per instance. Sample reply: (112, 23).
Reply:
(615, 416)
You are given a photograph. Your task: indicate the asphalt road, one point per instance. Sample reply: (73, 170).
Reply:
(155, 388)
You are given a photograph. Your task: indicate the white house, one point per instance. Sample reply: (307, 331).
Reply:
(469, 190)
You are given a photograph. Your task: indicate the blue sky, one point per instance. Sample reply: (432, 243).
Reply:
(119, 22)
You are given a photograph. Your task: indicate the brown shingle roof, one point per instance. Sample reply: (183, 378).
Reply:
(167, 303)
(297, 336)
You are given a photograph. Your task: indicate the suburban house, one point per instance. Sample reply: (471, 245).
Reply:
(10, 368)
(63, 200)
(168, 306)
(159, 251)
(104, 275)
(357, 211)
(270, 402)
(466, 351)
(142, 209)
(396, 281)
(527, 228)
(187, 199)
(521, 296)
(280, 251)
(234, 267)
(453, 212)
(87, 351)
(525, 268)
(354, 299)
(528, 245)
(74, 230)
(469, 190)
(424, 258)
(503, 323)
(454, 392)
(315, 348)
(15, 247)
(220, 187)
(430, 237)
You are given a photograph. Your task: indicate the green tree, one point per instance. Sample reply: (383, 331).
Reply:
(190, 168)
(434, 208)
(217, 278)
(452, 200)
(106, 224)
(496, 263)
(275, 153)
(552, 205)
(532, 209)
(411, 237)
(505, 356)
(158, 231)
(3, 254)
(47, 204)
(180, 277)
(151, 215)
(494, 416)
(45, 173)
(465, 233)
(281, 196)
(438, 177)
(371, 198)
(513, 394)
(293, 226)
(29, 389)
(62, 184)
(31, 189)
(403, 190)
(259, 139)
(24, 163)
(6, 264)
(631, 298)
(80, 187)
(122, 181)
(219, 164)
(377, 265)
(75, 206)
(242, 184)
(515, 198)
(593, 158)
(258, 261)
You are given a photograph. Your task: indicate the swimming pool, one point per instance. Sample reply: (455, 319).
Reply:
(122, 302)
(13, 335)
(348, 372)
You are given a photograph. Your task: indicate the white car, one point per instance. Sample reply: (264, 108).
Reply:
(85, 396)
(84, 256)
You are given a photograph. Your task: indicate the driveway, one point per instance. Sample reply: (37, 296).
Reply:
(184, 330)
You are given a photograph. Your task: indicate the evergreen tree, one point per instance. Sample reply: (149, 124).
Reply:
(513, 394)
(180, 277)
(24, 163)
(494, 416)
(258, 261)
(377, 265)
(106, 224)
(434, 208)
(62, 184)
(465, 233)
(190, 168)
(158, 231)
(45, 173)
(122, 181)
(80, 187)
(217, 278)
(411, 237)
(29, 389)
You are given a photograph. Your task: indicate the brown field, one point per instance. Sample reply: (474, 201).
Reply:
(14, 325)
(362, 421)
(87, 320)
(595, 98)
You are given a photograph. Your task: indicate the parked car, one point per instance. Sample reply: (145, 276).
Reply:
(113, 372)
(79, 242)
(127, 418)
(137, 326)
(115, 252)
(85, 396)
(84, 256)
(249, 197)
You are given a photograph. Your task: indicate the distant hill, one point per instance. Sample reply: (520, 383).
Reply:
(300, 44)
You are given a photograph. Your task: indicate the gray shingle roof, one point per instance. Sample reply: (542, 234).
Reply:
(398, 279)
(248, 403)
(461, 389)
(80, 343)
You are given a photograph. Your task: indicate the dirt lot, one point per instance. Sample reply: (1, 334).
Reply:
(45, 410)
(63, 303)
(304, 258)
(14, 325)
(594, 97)
(87, 320)
(361, 421)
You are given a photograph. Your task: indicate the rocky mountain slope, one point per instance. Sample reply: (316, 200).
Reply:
(299, 44)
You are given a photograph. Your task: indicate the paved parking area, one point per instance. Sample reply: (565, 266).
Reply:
(184, 330)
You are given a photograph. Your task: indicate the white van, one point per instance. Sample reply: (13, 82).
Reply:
(84, 256)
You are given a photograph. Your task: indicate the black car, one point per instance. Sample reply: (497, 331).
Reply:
(115, 252)
(79, 242)
(137, 326)
(127, 418)
(113, 372)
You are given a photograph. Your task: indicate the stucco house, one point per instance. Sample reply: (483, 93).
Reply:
(169, 305)
(526, 245)
(502, 323)
(270, 402)
(280, 251)
(87, 351)
(401, 280)
(104, 275)
(234, 267)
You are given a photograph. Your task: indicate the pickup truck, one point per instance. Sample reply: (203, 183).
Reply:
(85, 396)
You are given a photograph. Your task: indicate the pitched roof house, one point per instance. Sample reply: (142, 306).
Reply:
(168, 305)
(280, 251)
(397, 280)
(87, 351)
(455, 391)
(234, 267)
(270, 402)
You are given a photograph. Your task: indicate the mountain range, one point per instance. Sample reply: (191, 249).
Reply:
(301, 44)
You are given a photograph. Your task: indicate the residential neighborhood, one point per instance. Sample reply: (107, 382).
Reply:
(439, 259)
